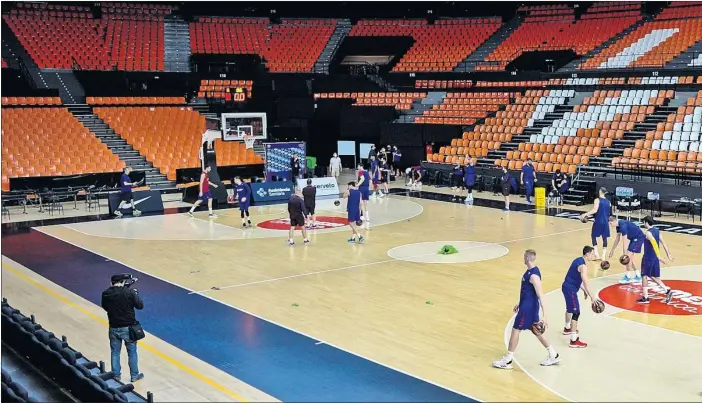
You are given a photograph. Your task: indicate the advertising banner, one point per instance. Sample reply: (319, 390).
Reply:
(325, 186)
(271, 191)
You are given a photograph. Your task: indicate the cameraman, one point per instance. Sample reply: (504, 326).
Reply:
(119, 302)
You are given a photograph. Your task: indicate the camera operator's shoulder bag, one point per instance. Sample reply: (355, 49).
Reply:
(136, 332)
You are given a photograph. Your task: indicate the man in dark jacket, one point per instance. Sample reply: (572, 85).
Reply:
(119, 302)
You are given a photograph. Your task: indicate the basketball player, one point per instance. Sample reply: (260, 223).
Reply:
(242, 191)
(375, 175)
(363, 187)
(125, 194)
(458, 183)
(575, 279)
(415, 179)
(309, 193)
(651, 262)
(204, 192)
(636, 239)
(335, 166)
(528, 178)
(469, 179)
(527, 310)
(384, 177)
(506, 183)
(396, 158)
(601, 209)
(297, 212)
(353, 211)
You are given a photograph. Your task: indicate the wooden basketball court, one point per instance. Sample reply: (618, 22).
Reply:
(236, 314)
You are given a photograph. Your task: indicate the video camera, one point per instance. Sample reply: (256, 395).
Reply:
(128, 279)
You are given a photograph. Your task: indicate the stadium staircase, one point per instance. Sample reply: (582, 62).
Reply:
(479, 55)
(12, 46)
(341, 31)
(70, 90)
(573, 65)
(176, 38)
(421, 105)
(686, 58)
(126, 153)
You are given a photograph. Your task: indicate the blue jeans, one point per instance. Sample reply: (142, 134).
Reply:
(117, 334)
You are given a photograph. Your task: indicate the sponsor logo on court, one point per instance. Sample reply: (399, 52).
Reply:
(687, 298)
(322, 223)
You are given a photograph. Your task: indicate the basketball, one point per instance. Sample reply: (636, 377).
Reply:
(538, 328)
(604, 265)
(337, 203)
(598, 306)
(230, 199)
(359, 223)
(584, 219)
(624, 260)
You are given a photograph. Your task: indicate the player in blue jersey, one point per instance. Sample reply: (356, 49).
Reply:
(576, 279)
(651, 261)
(242, 192)
(528, 178)
(353, 211)
(469, 179)
(531, 296)
(364, 180)
(636, 237)
(458, 183)
(601, 210)
(375, 175)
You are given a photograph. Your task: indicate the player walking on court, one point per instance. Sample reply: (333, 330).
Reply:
(363, 187)
(531, 296)
(204, 192)
(353, 211)
(636, 239)
(601, 210)
(375, 175)
(651, 261)
(469, 179)
(243, 194)
(125, 194)
(528, 178)
(575, 279)
(384, 177)
(309, 194)
(296, 210)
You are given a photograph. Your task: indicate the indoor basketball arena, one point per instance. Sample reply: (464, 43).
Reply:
(351, 201)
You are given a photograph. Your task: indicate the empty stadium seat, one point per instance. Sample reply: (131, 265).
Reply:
(294, 45)
(437, 47)
(400, 100)
(170, 137)
(50, 142)
(464, 108)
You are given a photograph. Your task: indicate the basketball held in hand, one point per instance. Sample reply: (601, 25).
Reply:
(584, 219)
(604, 265)
(624, 260)
(538, 328)
(598, 306)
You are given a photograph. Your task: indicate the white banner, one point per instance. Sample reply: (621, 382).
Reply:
(326, 186)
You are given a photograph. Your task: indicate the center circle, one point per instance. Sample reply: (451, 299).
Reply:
(686, 299)
(323, 222)
(466, 252)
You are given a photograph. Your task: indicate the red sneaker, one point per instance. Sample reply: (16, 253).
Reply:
(577, 344)
(567, 331)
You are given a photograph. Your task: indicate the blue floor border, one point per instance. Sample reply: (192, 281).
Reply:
(276, 360)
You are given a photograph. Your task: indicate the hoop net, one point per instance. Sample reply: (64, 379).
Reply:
(249, 141)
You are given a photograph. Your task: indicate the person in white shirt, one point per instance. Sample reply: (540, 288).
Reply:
(335, 166)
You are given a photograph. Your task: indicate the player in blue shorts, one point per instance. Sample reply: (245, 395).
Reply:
(651, 261)
(242, 191)
(353, 210)
(375, 175)
(531, 296)
(601, 210)
(576, 279)
(469, 179)
(636, 237)
(364, 180)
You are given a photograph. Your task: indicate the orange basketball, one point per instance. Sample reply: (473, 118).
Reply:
(598, 306)
(538, 328)
(604, 265)
(624, 260)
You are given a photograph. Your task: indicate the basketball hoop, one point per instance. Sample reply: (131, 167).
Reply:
(249, 141)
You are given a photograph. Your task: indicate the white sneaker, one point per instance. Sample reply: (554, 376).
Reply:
(382, 195)
(502, 363)
(213, 215)
(190, 214)
(551, 361)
